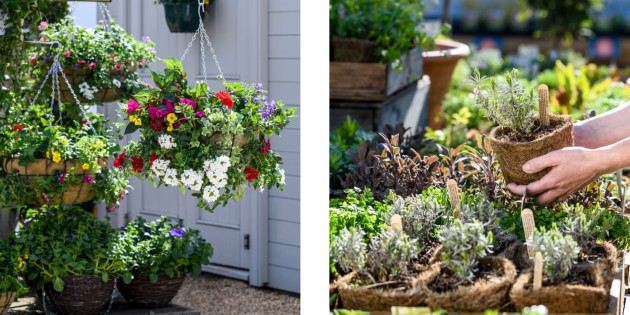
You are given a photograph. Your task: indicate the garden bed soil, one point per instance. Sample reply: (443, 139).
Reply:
(516, 252)
(596, 252)
(377, 297)
(493, 282)
(586, 290)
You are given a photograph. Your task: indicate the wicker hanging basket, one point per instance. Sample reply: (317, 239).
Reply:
(237, 141)
(6, 299)
(143, 293)
(82, 295)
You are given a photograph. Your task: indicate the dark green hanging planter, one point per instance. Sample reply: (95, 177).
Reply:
(182, 17)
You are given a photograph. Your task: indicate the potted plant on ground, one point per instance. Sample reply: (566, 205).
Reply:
(211, 144)
(100, 64)
(70, 258)
(466, 272)
(182, 15)
(157, 256)
(12, 262)
(377, 277)
(566, 287)
(372, 54)
(520, 135)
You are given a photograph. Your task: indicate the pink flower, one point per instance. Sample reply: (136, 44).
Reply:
(189, 102)
(111, 56)
(88, 179)
(154, 112)
(82, 62)
(43, 25)
(92, 65)
(200, 114)
(132, 105)
(101, 21)
(33, 60)
(68, 54)
(42, 39)
(176, 85)
(149, 85)
(118, 67)
(62, 178)
(170, 108)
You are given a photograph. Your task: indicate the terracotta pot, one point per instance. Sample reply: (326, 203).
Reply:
(439, 65)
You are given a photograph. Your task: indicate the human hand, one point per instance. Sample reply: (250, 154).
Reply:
(572, 169)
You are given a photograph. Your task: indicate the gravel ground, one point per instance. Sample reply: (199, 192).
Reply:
(212, 294)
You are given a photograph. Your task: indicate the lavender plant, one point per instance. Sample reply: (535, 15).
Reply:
(488, 215)
(464, 244)
(419, 215)
(559, 252)
(348, 251)
(390, 254)
(507, 104)
(584, 225)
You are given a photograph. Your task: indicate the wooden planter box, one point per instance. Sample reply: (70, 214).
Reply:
(375, 82)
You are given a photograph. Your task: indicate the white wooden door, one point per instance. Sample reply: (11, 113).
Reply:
(238, 231)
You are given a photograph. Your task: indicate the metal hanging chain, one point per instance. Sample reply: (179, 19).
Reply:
(106, 14)
(203, 35)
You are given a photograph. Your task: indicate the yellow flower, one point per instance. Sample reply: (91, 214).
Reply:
(206, 2)
(48, 154)
(171, 118)
(56, 156)
(99, 144)
(26, 256)
(137, 121)
(85, 166)
(170, 128)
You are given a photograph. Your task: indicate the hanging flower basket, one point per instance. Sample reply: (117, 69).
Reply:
(84, 294)
(142, 292)
(79, 78)
(6, 299)
(182, 17)
(213, 144)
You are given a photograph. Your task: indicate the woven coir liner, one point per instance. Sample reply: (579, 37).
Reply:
(143, 293)
(516, 252)
(567, 298)
(81, 295)
(605, 253)
(512, 155)
(6, 299)
(376, 298)
(487, 293)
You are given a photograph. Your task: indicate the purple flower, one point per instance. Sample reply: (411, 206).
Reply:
(122, 228)
(69, 235)
(73, 214)
(189, 102)
(177, 232)
(146, 39)
(88, 179)
(62, 178)
(268, 109)
(12, 243)
(200, 114)
(76, 66)
(259, 86)
(27, 223)
(6, 264)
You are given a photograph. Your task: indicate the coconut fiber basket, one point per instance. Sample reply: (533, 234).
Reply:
(373, 298)
(567, 298)
(81, 295)
(6, 299)
(512, 155)
(141, 292)
(484, 294)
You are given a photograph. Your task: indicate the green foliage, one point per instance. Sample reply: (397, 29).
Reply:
(390, 255)
(348, 312)
(64, 242)
(191, 138)
(347, 137)
(348, 250)
(392, 26)
(420, 215)
(509, 104)
(478, 209)
(617, 95)
(159, 248)
(559, 252)
(584, 225)
(12, 262)
(358, 210)
(463, 245)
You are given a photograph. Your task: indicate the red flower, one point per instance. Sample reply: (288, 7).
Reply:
(225, 98)
(18, 127)
(153, 158)
(120, 160)
(157, 124)
(250, 174)
(266, 146)
(138, 164)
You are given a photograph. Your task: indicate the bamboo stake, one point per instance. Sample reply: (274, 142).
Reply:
(527, 216)
(538, 269)
(396, 222)
(453, 195)
(543, 105)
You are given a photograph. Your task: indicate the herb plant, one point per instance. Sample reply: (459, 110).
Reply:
(419, 215)
(348, 250)
(507, 104)
(159, 247)
(360, 210)
(559, 252)
(63, 242)
(390, 255)
(584, 225)
(463, 245)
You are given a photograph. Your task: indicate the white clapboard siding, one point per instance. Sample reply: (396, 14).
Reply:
(284, 206)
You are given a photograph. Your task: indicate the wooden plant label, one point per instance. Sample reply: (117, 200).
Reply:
(538, 269)
(396, 222)
(543, 104)
(453, 195)
(527, 216)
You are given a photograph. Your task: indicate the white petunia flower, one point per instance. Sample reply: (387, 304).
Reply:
(116, 83)
(217, 179)
(170, 178)
(282, 177)
(210, 194)
(159, 167)
(87, 91)
(166, 141)
(192, 179)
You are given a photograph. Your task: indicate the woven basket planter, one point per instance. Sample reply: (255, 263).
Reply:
(143, 293)
(82, 295)
(237, 141)
(567, 298)
(477, 297)
(512, 155)
(6, 299)
(607, 252)
(75, 77)
(376, 297)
